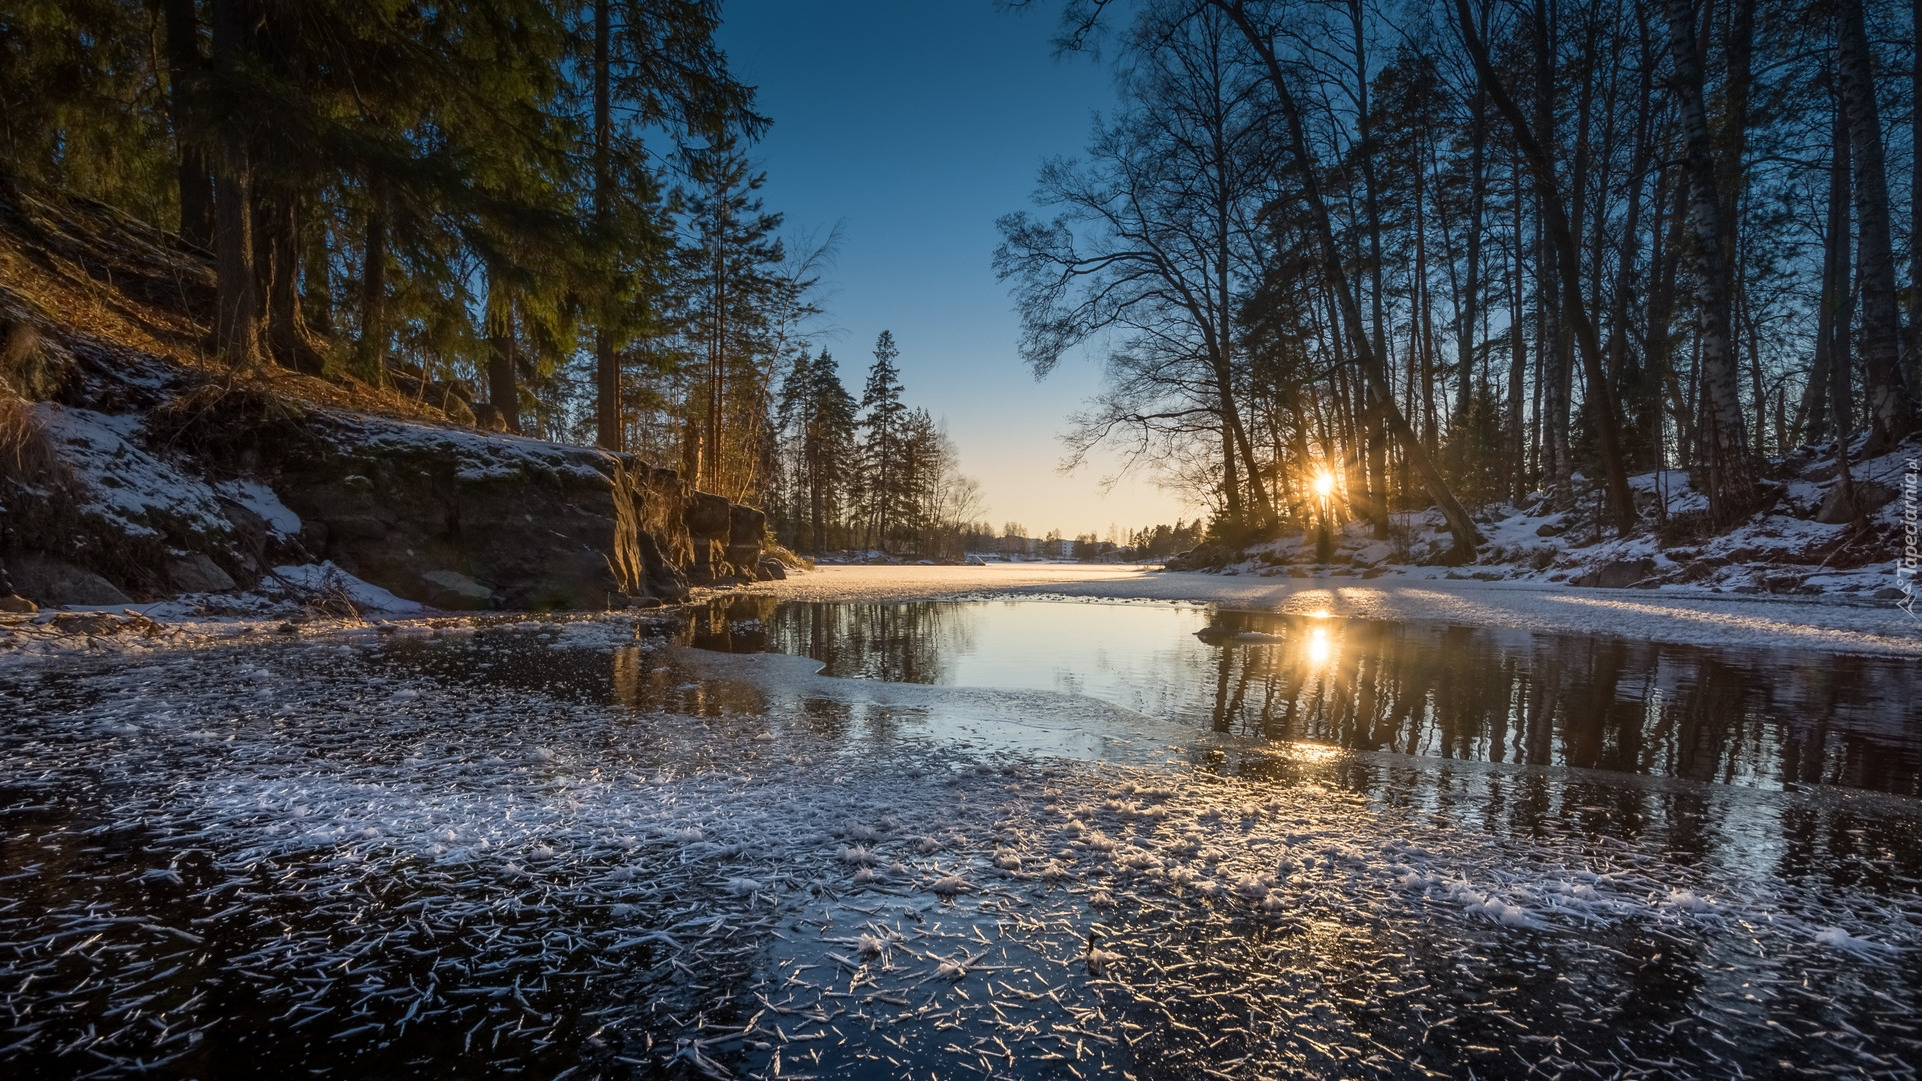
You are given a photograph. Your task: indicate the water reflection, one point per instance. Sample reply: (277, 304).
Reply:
(1745, 717)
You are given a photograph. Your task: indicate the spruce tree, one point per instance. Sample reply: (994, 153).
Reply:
(882, 426)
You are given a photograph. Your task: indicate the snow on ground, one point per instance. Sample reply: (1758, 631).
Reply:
(121, 481)
(560, 849)
(1694, 617)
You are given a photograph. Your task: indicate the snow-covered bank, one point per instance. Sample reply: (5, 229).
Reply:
(1671, 614)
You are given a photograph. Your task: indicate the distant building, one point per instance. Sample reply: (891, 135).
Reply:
(1058, 549)
(1021, 547)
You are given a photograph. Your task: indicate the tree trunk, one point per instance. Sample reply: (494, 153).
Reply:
(1731, 137)
(607, 366)
(1600, 400)
(317, 295)
(371, 349)
(237, 312)
(1365, 348)
(503, 391)
(1517, 353)
(185, 78)
(1558, 366)
(1838, 302)
(287, 337)
(1892, 413)
(1913, 363)
(1732, 479)
(1470, 309)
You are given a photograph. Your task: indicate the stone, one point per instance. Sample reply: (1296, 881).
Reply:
(455, 591)
(1550, 529)
(709, 517)
(489, 419)
(88, 623)
(1888, 593)
(55, 581)
(772, 569)
(15, 604)
(1374, 555)
(196, 573)
(1869, 497)
(1617, 574)
(538, 525)
(745, 526)
(661, 578)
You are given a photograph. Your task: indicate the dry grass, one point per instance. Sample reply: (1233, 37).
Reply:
(75, 271)
(26, 455)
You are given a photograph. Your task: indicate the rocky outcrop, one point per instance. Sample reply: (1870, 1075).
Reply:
(1869, 497)
(134, 474)
(48, 580)
(208, 488)
(1619, 574)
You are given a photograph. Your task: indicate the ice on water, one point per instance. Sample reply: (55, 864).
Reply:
(650, 868)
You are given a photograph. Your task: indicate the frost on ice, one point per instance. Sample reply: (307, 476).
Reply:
(565, 850)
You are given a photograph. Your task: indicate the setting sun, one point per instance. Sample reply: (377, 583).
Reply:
(1324, 484)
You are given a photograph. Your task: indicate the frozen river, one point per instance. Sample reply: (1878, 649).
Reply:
(1025, 839)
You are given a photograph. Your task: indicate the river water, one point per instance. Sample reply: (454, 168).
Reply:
(960, 839)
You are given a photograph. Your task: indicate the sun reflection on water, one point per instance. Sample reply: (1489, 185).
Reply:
(1321, 647)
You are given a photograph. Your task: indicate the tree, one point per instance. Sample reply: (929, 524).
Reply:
(883, 434)
(1732, 484)
(729, 273)
(820, 413)
(1891, 406)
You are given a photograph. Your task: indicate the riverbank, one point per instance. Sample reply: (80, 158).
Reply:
(1676, 614)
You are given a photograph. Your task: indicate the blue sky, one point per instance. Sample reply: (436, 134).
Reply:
(916, 123)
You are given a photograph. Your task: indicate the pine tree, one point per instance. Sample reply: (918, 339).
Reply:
(729, 275)
(883, 419)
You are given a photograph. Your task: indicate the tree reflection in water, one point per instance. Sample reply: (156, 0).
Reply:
(1433, 690)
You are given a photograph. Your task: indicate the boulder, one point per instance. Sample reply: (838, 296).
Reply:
(1618, 574)
(196, 573)
(746, 533)
(405, 506)
(1374, 555)
(55, 581)
(456, 591)
(489, 419)
(772, 569)
(709, 517)
(745, 526)
(14, 604)
(660, 576)
(1869, 497)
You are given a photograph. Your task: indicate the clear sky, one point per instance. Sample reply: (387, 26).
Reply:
(916, 123)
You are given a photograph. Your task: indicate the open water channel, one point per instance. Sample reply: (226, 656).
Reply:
(960, 839)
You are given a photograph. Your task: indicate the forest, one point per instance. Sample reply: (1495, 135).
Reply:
(1328, 251)
(1453, 253)
(541, 218)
